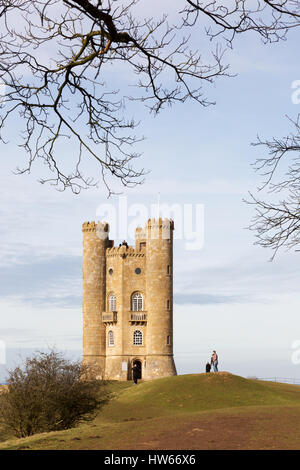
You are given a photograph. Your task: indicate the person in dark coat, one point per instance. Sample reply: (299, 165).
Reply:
(135, 373)
(208, 367)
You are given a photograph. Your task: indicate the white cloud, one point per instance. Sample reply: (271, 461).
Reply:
(39, 327)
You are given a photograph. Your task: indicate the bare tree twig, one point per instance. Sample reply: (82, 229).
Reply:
(58, 58)
(62, 98)
(277, 222)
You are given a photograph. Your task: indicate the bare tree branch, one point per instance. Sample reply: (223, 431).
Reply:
(271, 20)
(277, 223)
(61, 58)
(54, 57)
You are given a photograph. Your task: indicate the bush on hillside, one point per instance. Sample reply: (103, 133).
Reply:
(50, 393)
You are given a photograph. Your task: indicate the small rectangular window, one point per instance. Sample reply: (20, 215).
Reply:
(168, 269)
(168, 305)
(138, 338)
(168, 339)
(111, 339)
(137, 302)
(112, 303)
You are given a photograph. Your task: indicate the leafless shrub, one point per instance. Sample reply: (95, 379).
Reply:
(49, 393)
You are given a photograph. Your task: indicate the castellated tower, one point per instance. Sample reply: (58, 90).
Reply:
(128, 302)
(95, 243)
(159, 298)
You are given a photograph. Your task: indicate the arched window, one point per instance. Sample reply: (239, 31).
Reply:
(112, 303)
(137, 338)
(111, 340)
(137, 302)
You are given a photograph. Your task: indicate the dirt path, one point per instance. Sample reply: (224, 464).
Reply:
(272, 428)
(242, 428)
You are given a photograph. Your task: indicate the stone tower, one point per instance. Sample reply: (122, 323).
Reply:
(128, 302)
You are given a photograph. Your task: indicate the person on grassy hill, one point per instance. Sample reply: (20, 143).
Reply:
(208, 367)
(214, 361)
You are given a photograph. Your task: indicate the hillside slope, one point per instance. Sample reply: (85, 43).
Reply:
(197, 392)
(199, 411)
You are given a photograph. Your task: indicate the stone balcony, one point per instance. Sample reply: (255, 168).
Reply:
(109, 317)
(138, 317)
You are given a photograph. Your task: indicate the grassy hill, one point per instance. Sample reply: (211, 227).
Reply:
(203, 411)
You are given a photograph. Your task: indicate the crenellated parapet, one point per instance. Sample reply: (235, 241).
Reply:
(124, 251)
(95, 227)
(140, 233)
(159, 229)
(161, 223)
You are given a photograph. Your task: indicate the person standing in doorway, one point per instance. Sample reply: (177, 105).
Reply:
(135, 373)
(215, 361)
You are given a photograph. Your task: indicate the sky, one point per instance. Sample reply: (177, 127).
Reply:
(228, 295)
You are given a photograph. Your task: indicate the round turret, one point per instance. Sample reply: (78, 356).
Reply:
(159, 298)
(95, 242)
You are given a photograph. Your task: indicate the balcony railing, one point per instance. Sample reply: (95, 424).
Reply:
(109, 317)
(140, 317)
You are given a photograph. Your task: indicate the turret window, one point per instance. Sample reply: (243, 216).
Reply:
(137, 304)
(168, 304)
(138, 338)
(112, 303)
(111, 339)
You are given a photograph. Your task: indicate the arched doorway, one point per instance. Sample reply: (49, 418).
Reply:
(138, 363)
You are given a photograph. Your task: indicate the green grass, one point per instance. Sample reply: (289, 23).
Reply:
(194, 393)
(154, 412)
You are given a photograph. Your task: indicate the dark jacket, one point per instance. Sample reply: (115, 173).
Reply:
(135, 372)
